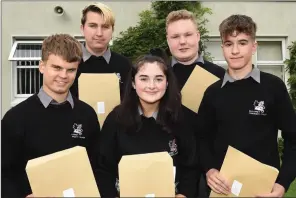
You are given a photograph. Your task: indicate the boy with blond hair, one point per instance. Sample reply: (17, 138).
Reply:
(97, 27)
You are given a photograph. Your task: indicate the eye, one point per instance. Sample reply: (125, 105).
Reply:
(159, 79)
(143, 79)
(72, 70)
(227, 44)
(92, 25)
(243, 43)
(106, 26)
(57, 68)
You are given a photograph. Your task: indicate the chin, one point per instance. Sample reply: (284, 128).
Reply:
(61, 91)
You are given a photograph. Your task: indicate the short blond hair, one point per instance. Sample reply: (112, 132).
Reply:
(102, 9)
(62, 45)
(180, 15)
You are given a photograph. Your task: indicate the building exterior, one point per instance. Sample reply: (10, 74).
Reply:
(26, 23)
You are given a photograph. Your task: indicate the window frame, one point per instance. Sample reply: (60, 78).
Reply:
(282, 39)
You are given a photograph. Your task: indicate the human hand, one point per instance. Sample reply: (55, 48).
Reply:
(217, 182)
(277, 191)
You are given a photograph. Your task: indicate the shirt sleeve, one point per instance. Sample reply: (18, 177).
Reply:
(286, 120)
(12, 154)
(107, 169)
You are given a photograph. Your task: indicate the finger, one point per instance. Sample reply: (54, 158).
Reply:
(217, 188)
(225, 183)
(264, 195)
(214, 189)
(221, 184)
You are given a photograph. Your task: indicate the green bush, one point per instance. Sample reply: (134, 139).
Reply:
(150, 31)
(291, 68)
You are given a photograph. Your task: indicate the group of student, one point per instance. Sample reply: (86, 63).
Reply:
(244, 109)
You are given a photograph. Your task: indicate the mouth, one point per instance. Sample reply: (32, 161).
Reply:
(236, 58)
(98, 40)
(183, 49)
(151, 93)
(61, 82)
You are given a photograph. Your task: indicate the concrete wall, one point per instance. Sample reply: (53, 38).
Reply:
(36, 18)
(272, 18)
(33, 18)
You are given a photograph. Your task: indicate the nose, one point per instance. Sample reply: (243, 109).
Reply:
(99, 31)
(182, 40)
(235, 49)
(63, 74)
(151, 84)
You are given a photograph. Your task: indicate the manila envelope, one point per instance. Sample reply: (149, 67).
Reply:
(147, 175)
(66, 173)
(101, 91)
(248, 176)
(193, 90)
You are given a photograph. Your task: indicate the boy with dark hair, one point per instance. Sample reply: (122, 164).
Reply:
(49, 121)
(245, 110)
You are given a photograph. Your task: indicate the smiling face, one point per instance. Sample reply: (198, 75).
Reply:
(150, 83)
(238, 50)
(58, 75)
(183, 39)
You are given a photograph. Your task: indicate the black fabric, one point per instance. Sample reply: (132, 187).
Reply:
(182, 73)
(150, 138)
(29, 130)
(246, 115)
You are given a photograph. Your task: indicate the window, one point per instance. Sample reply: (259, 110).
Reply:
(269, 57)
(25, 56)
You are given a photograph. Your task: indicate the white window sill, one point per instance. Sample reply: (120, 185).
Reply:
(16, 101)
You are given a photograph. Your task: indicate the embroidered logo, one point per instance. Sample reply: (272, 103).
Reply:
(173, 147)
(176, 187)
(117, 185)
(259, 108)
(119, 77)
(77, 132)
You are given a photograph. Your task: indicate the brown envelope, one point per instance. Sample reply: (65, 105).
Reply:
(67, 173)
(193, 91)
(101, 91)
(147, 175)
(248, 176)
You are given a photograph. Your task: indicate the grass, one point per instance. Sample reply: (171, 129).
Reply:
(292, 190)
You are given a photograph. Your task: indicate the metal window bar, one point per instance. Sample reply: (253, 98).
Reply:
(25, 57)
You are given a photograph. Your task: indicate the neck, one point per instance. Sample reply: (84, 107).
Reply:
(240, 73)
(60, 98)
(149, 109)
(189, 62)
(96, 52)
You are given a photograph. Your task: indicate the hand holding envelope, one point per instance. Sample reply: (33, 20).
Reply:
(248, 177)
(217, 182)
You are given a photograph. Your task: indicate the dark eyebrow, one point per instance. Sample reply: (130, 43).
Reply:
(60, 67)
(157, 76)
(243, 40)
(53, 65)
